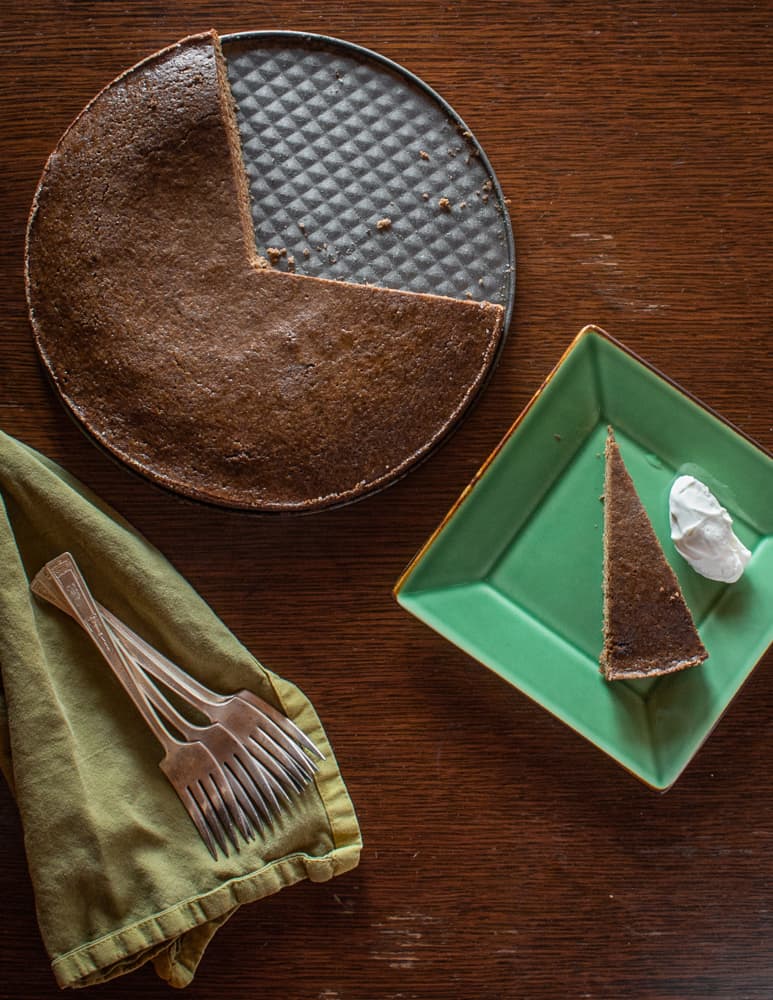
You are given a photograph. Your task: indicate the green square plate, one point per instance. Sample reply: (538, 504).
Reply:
(513, 574)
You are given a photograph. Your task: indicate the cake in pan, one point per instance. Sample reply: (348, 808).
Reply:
(185, 354)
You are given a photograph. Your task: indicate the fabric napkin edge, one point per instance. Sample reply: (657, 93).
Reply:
(104, 959)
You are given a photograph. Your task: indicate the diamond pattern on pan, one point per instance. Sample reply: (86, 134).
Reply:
(335, 141)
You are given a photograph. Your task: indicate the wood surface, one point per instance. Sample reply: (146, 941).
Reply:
(504, 856)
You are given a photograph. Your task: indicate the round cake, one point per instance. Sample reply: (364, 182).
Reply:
(188, 357)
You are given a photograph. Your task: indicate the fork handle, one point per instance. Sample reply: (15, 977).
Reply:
(44, 586)
(158, 666)
(154, 663)
(151, 660)
(64, 573)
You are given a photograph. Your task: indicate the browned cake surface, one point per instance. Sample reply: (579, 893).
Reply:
(648, 628)
(189, 358)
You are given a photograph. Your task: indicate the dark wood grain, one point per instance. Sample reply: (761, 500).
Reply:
(504, 856)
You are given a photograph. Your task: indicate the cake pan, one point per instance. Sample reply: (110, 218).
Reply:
(360, 173)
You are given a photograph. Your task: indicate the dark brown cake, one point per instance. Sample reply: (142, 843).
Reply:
(648, 628)
(184, 354)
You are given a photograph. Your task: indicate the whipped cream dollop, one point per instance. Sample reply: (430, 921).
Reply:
(702, 531)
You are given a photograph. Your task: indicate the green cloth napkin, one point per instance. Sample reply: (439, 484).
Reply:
(119, 873)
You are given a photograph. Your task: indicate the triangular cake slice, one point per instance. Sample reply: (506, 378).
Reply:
(648, 628)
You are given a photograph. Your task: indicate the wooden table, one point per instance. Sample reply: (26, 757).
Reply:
(504, 856)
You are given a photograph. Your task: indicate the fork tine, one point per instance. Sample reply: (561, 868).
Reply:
(230, 804)
(247, 795)
(210, 815)
(280, 777)
(288, 780)
(272, 756)
(282, 722)
(259, 784)
(285, 775)
(267, 784)
(270, 730)
(297, 735)
(195, 813)
(289, 753)
(277, 759)
(277, 743)
(212, 790)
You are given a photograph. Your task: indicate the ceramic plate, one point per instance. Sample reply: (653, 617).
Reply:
(513, 575)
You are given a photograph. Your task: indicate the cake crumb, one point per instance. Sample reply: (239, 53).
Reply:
(306, 252)
(384, 223)
(444, 203)
(425, 195)
(462, 204)
(557, 437)
(302, 226)
(291, 263)
(274, 254)
(423, 154)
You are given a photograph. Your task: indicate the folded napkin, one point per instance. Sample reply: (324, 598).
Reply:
(119, 872)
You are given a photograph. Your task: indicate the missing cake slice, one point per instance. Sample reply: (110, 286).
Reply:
(648, 628)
